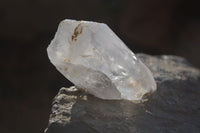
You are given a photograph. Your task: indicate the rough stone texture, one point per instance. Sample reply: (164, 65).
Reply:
(174, 107)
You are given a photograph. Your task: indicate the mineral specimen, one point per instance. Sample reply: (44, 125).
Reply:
(91, 56)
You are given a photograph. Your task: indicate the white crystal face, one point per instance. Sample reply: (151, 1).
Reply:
(91, 56)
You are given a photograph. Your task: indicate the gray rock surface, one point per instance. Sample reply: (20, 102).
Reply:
(174, 107)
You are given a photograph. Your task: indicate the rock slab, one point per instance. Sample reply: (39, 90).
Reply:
(174, 107)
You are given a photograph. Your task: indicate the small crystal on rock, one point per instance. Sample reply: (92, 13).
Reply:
(90, 55)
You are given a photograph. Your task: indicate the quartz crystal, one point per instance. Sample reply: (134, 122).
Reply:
(91, 56)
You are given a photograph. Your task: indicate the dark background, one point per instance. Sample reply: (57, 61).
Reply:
(29, 81)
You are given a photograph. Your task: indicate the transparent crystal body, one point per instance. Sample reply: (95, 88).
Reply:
(91, 56)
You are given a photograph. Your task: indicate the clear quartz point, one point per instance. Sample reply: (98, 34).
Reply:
(91, 56)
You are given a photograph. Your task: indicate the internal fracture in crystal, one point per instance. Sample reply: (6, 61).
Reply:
(91, 56)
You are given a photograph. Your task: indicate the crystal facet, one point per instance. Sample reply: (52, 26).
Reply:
(91, 56)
